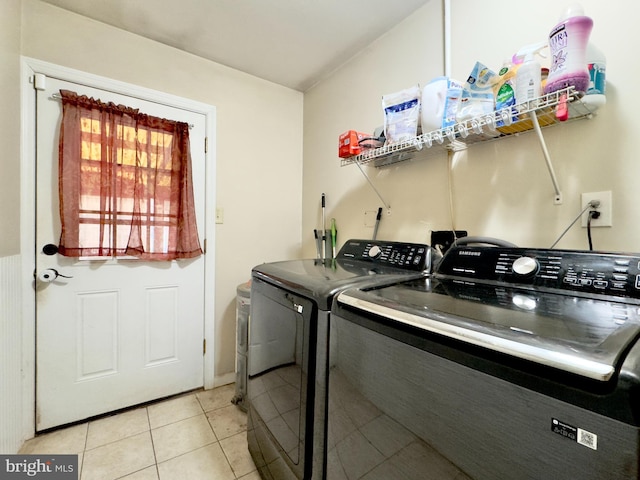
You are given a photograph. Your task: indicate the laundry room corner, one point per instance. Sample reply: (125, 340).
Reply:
(499, 188)
(350, 99)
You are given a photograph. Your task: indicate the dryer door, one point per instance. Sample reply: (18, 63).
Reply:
(281, 366)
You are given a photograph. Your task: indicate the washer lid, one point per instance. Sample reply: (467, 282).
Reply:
(359, 262)
(322, 280)
(583, 336)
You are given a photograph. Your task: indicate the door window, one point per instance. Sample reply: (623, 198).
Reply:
(125, 183)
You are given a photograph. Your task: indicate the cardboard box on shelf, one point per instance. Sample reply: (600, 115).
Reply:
(348, 143)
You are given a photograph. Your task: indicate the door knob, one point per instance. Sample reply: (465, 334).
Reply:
(50, 274)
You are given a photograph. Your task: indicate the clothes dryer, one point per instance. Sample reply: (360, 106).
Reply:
(288, 349)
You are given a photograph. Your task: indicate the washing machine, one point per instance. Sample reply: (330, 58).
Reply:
(509, 363)
(288, 348)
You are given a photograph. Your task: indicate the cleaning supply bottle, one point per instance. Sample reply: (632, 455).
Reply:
(597, 66)
(529, 76)
(568, 41)
(505, 93)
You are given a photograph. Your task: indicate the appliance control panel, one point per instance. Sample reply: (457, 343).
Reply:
(571, 271)
(408, 256)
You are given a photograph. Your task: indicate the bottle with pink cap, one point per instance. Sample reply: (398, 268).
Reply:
(568, 43)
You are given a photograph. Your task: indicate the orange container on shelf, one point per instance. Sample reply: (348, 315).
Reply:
(348, 143)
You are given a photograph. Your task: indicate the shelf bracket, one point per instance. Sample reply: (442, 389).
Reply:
(387, 206)
(557, 199)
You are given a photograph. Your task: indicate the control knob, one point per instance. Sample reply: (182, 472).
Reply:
(375, 251)
(525, 266)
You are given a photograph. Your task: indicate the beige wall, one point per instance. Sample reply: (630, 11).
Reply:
(259, 141)
(10, 128)
(500, 189)
(351, 100)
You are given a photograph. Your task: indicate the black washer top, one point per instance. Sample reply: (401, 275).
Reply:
(571, 310)
(359, 262)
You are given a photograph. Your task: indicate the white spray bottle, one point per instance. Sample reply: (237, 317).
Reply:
(528, 76)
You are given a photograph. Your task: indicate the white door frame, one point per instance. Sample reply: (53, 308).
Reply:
(29, 67)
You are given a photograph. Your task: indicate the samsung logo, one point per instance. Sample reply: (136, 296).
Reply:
(469, 253)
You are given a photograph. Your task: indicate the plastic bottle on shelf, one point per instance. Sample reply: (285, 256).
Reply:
(529, 76)
(505, 92)
(568, 41)
(597, 67)
(440, 99)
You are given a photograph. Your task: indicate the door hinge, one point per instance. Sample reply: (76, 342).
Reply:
(206, 144)
(39, 81)
(204, 346)
(204, 250)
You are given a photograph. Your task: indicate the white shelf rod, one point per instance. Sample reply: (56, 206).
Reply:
(547, 158)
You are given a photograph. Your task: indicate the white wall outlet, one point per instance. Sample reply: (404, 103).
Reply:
(219, 215)
(605, 209)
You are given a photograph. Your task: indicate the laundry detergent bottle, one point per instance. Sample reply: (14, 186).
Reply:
(568, 43)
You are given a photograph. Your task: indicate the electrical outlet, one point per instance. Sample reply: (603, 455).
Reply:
(605, 208)
(219, 215)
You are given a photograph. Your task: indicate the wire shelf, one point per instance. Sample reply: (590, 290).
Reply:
(499, 124)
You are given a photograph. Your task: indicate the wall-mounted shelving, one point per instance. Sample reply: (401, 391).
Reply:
(532, 115)
(478, 129)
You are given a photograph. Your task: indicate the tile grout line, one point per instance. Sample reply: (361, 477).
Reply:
(153, 445)
(203, 414)
(206, 417)
(110, 442)
(84, 451)
(218, 439)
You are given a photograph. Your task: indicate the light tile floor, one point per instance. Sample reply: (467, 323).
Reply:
(195, 436)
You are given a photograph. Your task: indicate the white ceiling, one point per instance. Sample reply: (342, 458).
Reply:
(290, 42)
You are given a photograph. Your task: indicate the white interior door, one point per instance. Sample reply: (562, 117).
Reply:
(118, 332)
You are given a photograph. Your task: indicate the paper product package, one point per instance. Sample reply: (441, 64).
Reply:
(477, 94)
(401, 114)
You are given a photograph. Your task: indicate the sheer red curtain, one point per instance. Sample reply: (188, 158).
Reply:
(125, 183)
